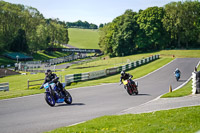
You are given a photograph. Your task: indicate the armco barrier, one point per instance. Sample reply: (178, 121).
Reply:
(4, 86)
(97, 74)
(196, 82)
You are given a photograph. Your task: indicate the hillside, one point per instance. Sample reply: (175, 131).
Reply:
(83, 38)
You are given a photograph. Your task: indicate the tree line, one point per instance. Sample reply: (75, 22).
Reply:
(24, 29)
(80, 24)
(176, 25)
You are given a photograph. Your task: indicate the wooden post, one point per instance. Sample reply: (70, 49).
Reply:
(170, 88)
(28, 83)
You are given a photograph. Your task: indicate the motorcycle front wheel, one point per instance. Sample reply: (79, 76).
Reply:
(49, 99)
(129, 90)
(68, 98)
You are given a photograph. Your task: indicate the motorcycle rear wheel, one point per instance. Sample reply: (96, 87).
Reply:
(68, 98)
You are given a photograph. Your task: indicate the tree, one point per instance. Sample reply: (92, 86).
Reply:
(19, 22)
(152, 34)
(117, 38)
(80, 24)
(181, 20)
(101, 26)
(19, 43)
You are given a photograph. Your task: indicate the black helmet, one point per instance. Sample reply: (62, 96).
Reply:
(122, 73)
(48, 72)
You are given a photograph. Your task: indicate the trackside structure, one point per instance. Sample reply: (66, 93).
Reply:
(106, 72)
(196, 82)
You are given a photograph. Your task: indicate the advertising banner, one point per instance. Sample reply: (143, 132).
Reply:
(111, 71)
(97, 74)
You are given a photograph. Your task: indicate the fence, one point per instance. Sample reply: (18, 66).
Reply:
(97, 74)
(29, 81)
(4, 86)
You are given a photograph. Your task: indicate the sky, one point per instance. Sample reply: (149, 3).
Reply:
(92, 11)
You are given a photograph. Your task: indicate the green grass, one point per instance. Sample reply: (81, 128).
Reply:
(180, 53)
(49, 55)
(5, 61)
(36, 56)
(184, 91)
(83, 38)
(182, 120)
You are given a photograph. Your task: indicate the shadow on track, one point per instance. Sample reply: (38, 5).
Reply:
(73, 104)
(143, 94)
(182, 80)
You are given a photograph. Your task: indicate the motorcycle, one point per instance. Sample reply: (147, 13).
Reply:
(130, 87)
(177, 75)
(53, 94)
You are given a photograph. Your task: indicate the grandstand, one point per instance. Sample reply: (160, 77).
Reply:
(18, 56)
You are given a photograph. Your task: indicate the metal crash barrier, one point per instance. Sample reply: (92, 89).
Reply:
(196, 82)
(4, 86)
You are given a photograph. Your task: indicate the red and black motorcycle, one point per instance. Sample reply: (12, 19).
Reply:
(130, 87)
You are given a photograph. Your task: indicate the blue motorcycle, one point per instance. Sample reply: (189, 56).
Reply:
(54, 95)
(177, 75)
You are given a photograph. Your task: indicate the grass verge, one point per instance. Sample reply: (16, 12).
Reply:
(184, 91)
(184, 120)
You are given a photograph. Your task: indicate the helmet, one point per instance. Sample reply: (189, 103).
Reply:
(48, 72)
(176, 69)
(122, 73)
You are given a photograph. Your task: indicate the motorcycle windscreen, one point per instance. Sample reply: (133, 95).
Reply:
(46, 85)
(53, 85)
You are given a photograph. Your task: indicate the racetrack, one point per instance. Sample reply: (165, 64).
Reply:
(32, 114)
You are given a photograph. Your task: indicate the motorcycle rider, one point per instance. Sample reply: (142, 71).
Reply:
(52, 77)
(177, 71)
(126, 76)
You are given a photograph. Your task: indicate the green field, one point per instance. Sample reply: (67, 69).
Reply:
(83, 38)
(182, 120)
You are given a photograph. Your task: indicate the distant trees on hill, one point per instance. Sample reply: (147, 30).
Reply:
(24, 29)
(80, 24)
(176, 25)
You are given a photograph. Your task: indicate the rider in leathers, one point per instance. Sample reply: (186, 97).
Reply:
(52, 77)
(126, 76)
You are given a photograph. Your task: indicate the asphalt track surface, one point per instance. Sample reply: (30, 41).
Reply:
(31, 114)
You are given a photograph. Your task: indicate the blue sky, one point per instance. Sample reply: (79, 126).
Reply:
(92, 11)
